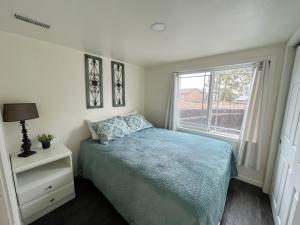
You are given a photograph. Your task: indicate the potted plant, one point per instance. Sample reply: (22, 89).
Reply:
(45, 139)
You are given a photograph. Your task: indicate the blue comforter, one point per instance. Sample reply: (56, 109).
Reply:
(161, 177)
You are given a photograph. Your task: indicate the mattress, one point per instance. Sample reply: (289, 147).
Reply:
(161, 177)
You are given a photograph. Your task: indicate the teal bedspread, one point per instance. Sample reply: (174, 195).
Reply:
(161, 177)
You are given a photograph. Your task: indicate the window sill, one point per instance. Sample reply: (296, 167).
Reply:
(231, 138)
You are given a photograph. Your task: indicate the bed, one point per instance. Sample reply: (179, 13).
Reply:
(161, 177)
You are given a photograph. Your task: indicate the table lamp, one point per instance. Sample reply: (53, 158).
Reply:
(21, 112)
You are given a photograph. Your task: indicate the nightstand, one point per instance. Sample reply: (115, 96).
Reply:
(43, 181)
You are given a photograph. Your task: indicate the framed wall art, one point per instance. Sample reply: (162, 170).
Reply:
(118, 83)
(93, 81)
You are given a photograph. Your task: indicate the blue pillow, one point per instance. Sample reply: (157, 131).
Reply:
(110, 129)
(137, 122)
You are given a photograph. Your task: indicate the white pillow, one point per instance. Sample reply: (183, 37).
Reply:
(92, 131)
(133, 112)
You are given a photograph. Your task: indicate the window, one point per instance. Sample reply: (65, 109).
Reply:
(215, 100)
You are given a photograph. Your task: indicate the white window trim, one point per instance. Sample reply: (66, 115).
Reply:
(232, 138)
(210, 133)
(217, 68)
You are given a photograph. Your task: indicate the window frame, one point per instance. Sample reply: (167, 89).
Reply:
(206, 131)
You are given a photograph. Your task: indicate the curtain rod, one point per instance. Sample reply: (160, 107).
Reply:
(214, 68)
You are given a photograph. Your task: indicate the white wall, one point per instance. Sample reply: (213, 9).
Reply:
(157, 84)
(53, 77)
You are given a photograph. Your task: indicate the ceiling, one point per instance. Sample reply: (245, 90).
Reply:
(120, 29)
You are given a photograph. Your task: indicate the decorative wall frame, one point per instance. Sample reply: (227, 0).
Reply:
(118, 83)
(93, 82)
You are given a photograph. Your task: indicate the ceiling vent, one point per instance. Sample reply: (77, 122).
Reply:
(32, 21)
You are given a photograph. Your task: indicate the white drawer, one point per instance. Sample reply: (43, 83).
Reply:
(44, 187)
(51, 198)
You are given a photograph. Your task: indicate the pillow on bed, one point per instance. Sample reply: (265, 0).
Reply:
(93, 133)
(137, 122)
(110, 129)
(133, 112)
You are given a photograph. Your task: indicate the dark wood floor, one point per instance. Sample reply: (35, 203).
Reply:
(245, 205)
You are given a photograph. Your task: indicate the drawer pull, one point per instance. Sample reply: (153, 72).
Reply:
(49, 187)
(52, 200)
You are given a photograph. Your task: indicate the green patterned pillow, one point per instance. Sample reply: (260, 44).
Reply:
(137, 122)
(110, 129)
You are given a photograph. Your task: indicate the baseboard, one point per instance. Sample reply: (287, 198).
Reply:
(273, 207)
(250, 181)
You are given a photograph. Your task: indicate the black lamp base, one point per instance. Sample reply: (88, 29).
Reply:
(26, 153)
(25, 147)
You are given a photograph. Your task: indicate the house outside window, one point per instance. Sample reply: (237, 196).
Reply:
(215, 100)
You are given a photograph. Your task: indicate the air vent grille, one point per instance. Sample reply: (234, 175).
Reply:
(32, 21)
